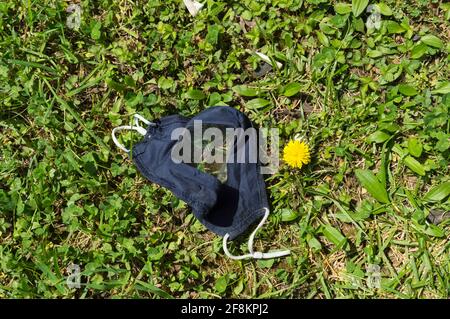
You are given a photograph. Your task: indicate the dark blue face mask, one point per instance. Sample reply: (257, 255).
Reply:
(226, 198)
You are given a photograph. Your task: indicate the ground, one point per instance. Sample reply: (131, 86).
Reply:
(371, 99)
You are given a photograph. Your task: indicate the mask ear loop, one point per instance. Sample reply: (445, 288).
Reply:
(138, 128)
(255, 254)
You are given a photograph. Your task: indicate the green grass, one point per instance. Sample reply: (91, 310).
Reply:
(372, 104)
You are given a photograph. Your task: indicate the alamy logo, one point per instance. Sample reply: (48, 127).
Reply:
(374, 20)
(205, 145)
(74, 19)
(74, 278)
(373, 276)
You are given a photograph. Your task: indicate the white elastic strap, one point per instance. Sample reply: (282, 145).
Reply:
(193, 6)
(138, 118)
(135, 127)
(255, 254)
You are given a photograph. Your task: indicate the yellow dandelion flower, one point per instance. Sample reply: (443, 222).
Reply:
(296, 154)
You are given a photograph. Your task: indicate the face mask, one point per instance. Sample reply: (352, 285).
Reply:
(226, 198)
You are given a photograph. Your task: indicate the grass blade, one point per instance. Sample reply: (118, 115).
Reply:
(371, 183)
